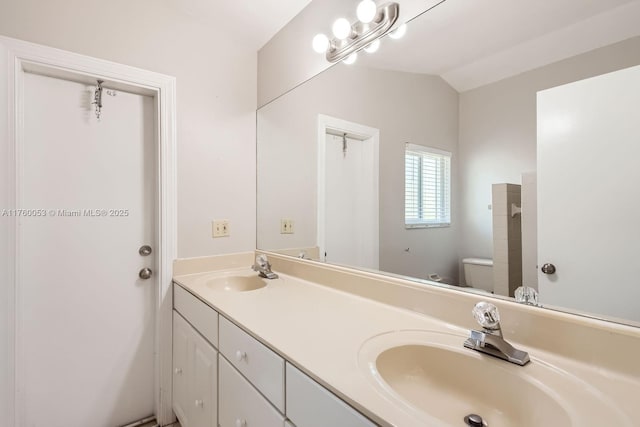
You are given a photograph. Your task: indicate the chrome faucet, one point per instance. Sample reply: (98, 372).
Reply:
(263, 267)
(490, 340)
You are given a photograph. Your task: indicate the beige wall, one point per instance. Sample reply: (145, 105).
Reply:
(216, 98)
(405, 107)
(498, 133)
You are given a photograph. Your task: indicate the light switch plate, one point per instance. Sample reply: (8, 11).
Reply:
(220, 228)
(286, 226)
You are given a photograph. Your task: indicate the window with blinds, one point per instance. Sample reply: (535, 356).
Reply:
(427, 187)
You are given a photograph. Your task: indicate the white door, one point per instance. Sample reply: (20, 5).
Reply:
(588, 204)
(85, 320)
(350, 229)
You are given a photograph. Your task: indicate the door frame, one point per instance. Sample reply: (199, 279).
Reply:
(364, 133)
(22, 57)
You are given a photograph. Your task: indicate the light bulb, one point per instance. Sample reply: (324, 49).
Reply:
(366, 11)
(341, 28)
(351, 58)
(373, 46)
(399, 32)
(320, 43)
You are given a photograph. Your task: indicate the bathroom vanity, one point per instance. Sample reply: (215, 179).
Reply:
(225, 375)
(323, 345)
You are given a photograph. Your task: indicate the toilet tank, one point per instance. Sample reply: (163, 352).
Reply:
(478, 273)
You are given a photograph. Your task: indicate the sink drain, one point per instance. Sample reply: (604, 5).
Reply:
(474, 420)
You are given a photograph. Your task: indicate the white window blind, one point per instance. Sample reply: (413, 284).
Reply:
(427, 188)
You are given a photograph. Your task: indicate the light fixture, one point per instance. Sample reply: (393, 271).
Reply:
(351, 58)
(373, 47)
(341, 28)
(366, 11)
(320, 43)
(348, 39)
(399, 32)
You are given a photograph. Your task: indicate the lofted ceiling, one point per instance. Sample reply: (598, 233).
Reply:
(469, 43)
(475, 42)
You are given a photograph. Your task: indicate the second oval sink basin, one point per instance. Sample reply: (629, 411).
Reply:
(236, 283)
(453, 383)
(433, 376)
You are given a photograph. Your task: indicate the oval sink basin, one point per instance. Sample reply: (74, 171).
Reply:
(455, 385)
(431, 375)
(236, 283)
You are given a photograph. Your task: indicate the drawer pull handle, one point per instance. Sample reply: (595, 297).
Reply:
(200, 403)
(241, 423)
(240, 355)
(178, 371)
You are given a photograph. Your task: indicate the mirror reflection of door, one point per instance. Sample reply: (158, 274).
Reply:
(588, 176)
(349, 233)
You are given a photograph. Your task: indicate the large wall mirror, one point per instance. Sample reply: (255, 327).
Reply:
(495, 146)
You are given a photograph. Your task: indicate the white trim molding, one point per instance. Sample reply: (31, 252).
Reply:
(23, 56)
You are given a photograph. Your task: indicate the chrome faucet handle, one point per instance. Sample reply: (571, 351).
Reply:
(262, 261)
(490, 340)
(487, 315)
(526, 295)
(263, 267)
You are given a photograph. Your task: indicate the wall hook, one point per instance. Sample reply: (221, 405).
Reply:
(515, 210)
(97, 99)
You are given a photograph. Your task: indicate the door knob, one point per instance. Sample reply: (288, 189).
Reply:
(548, 268)
(145, 273)
(145, 250)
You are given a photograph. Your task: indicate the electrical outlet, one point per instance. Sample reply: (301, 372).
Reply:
(286, 226)
(220, 228)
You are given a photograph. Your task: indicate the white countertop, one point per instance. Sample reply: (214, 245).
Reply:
(322, 330)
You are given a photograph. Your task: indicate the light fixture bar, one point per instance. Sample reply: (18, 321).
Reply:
(363, 34)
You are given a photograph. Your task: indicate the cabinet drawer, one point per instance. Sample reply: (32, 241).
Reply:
(261, 366)
(311, 405)
(240, 404)
(199, 314)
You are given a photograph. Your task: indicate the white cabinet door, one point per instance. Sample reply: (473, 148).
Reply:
(180, 362)
(241, 405)
(204, 383)
(195, 379)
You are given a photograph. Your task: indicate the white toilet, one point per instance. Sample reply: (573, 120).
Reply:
(478, 273)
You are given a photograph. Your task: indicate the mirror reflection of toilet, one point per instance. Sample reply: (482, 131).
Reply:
(478, 273)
